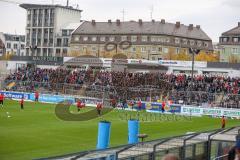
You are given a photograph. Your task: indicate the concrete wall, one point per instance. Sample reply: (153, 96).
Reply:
(65, 16)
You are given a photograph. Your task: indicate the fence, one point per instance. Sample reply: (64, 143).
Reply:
(210, 145)
(145, 93)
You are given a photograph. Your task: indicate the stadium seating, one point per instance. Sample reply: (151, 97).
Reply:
(211, 89)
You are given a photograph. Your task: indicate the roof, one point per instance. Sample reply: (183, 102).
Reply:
(234, 31)
(133, 27)
(13, 37)
(71, 26)
(29, 6)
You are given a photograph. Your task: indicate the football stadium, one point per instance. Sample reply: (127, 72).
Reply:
(96, 112)
(131, 89)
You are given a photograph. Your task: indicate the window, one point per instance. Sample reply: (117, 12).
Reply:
(177, 50)
(192, 42)
(58, 51)
(133, 38)
(8, 45)
(94, 39)
(234, 50)
(154, 39)
(235, 39)
(184, 41)
(64, 32)
(15, 46)
(94, 48)
(85, 38)
(133, 49)
(205, 44)
(143, 49)
(177, 40)
(22, 46)
(167, 40)
(124, 38)
(199, 43)
(165, 50)
(102, 39)
(160, 49)
(225, 39)
(154, 49)
(76, 38)
(144, 38)
(111, 39)
(223, 50)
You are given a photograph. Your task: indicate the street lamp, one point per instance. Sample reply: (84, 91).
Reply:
(193, 52)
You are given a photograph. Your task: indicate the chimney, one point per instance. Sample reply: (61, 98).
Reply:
(153, 21)
(198, 26)
(140, 21)
(163, 21)
(109, 21)
(93, 22)
(118, 22)
(190, 27)
(238, 24)
(178, 24)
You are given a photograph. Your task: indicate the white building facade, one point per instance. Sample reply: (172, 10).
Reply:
(13, 44)
(44, 24)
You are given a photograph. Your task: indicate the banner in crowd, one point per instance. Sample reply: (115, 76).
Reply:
(42, 98)
(90, 101)
(218, 112)
(51, 98)
(16, 95)
(174, 63)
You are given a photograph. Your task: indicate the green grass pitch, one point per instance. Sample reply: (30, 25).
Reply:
(36, 132)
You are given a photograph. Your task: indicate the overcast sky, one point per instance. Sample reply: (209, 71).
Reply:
(214, 16)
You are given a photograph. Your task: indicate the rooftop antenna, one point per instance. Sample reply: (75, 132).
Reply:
(151, 12)
(67, 3)
(123, 15)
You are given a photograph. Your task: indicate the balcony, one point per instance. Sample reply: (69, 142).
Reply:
(229, 43)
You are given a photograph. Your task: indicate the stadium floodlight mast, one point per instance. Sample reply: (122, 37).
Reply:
(193, 52)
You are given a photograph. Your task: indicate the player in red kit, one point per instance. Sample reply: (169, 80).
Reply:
(1, 99)
(113, 102)
(22, 103)
(36, 96)
(99, 108)
(79, 105)
(163, 107)
(139, 105)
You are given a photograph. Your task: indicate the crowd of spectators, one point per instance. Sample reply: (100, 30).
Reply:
(124, 85)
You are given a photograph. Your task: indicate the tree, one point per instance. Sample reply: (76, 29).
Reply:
(181, 56)
(209, 57)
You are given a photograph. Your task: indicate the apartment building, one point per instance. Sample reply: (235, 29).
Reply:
(154, 40)
(45, 23)
(229, 43)
(12, 44)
